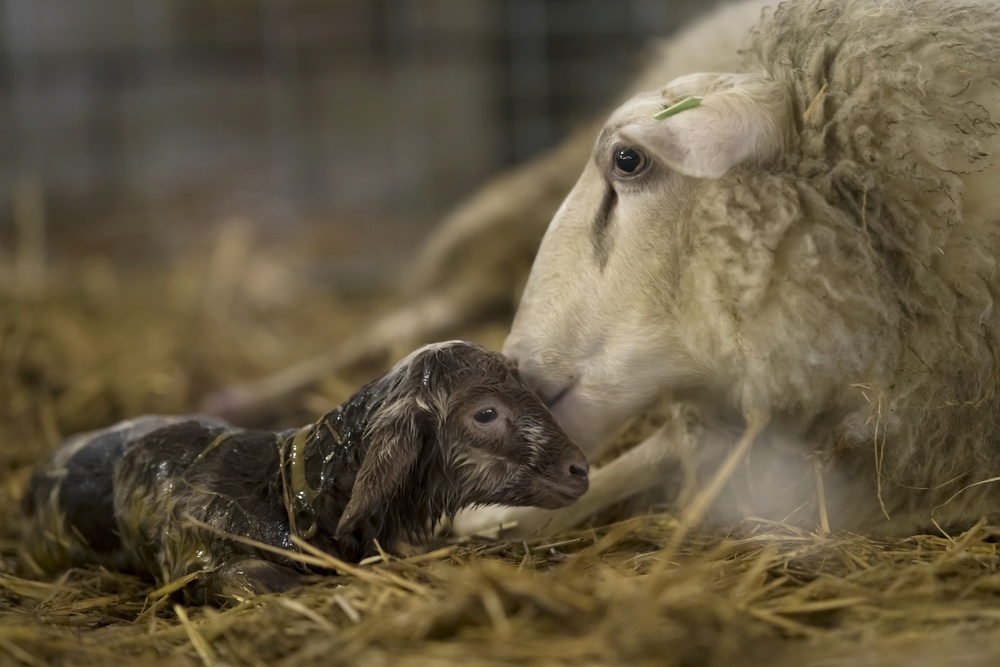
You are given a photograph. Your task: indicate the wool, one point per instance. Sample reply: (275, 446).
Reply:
(901, 299)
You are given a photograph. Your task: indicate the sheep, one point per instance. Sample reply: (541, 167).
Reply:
(475, 263)
(449, 426)
(808, 256)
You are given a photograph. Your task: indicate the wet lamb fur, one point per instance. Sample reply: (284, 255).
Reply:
(843, 284)
(387, 464)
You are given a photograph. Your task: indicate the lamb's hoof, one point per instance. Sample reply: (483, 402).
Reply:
(247, 577)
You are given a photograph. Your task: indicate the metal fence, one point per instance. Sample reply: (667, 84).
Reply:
(149, 110)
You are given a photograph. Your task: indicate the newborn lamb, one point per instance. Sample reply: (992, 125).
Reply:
(452, 425)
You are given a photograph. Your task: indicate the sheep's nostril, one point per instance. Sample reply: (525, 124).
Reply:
(551, 389)
(579, 470)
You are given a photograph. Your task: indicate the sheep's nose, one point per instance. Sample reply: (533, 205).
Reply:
(579, 470)
(550, 389)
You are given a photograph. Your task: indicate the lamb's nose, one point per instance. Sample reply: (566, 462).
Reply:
(578, 481)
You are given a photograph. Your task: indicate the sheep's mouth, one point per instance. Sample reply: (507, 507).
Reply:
(551, 400)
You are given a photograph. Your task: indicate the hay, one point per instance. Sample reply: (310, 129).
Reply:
(101, 344)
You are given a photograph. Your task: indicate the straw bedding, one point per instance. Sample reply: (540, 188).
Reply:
(100, 344)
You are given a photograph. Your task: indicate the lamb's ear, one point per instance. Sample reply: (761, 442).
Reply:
(395, 440)
(742, 118)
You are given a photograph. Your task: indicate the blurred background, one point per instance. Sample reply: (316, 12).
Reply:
(130, 128)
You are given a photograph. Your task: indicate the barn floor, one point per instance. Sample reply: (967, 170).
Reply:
(100, 343)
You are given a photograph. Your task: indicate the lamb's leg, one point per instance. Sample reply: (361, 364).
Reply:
(245, 577)
(641, 468)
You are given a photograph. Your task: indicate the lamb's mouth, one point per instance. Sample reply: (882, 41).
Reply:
(556, 495)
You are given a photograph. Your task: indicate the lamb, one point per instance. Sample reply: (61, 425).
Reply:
(808, 256)
(451, 425)
(476, 262)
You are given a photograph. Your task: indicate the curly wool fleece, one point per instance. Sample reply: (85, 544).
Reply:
(894, 165)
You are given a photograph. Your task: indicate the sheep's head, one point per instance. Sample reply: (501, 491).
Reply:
(603, 328)
(459, 427)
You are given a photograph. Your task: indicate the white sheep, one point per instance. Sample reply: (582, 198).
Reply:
(813, 248)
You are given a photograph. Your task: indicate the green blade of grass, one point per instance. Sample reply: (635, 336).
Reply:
(683, 105)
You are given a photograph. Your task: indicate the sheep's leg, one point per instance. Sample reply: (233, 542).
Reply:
(246, 577)
(641, 468)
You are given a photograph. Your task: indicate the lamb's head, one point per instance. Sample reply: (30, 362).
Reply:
(458, 427)
(601, 329)
(501, 443)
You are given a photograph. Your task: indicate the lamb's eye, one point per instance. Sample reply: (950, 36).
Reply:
(629, 161)
(486, 415)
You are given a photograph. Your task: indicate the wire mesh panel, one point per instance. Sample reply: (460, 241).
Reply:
(127, 115)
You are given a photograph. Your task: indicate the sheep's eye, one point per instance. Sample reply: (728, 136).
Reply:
(629, 161)
(486, 415)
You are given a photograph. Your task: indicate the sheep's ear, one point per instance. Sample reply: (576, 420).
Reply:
(395, 441)
(741, 118)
